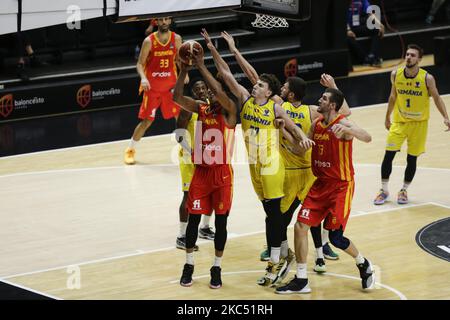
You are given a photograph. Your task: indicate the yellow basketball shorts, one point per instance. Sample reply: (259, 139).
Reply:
(297, 183)
(414, 132)
(268, 181)
(187, 171)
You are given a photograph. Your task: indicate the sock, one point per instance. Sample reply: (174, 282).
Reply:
(275, 254)
(301, 271)
(406, 185)
(319, 253)
(359, 259)
(205, 221)
(133, 143)
(183, 226)
(217, 261)
(190, 258)
(325, 238)
(384, 185)
(284, 249)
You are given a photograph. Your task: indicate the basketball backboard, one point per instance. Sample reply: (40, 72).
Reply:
(298, 10)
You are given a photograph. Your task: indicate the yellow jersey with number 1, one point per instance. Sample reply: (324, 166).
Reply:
(413, 99)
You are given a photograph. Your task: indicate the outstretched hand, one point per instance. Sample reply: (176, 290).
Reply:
(447, 123)
(207, 38)
(307, 143)
(229, 39)
(327, 81)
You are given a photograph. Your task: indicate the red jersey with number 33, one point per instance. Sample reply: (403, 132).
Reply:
(331, 157)
(160, 67)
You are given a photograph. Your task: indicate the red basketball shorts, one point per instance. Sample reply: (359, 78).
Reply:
(152, 100)
(211, 189)
(328, 200)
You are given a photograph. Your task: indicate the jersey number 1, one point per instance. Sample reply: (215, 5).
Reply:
(408, 103)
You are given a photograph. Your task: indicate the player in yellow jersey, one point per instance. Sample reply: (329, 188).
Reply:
(185, 137)
(258, 114)
(409, 102)
(298, 175)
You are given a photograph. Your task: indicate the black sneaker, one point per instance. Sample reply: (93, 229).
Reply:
(186, 277)
(295, 286)
(367, 274)
(206, 233)
(181, 244)
(216, 280)
(21, 73)
(320, 266)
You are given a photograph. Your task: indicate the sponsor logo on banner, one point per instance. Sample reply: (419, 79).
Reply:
(86, 94)
(6, 105)
(304, 68)
(290, 68)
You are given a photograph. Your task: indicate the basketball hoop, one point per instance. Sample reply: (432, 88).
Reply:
(268, 22)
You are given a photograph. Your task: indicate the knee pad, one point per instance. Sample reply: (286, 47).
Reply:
(338, 240)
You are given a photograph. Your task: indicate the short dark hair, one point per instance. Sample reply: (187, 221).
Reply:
(416, 47)
(336, 97)
(297, 86)
(272, 81)
(193, 82)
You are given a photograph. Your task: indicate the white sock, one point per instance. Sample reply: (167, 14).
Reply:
(359, 259)
(325, 238)
(284, 249)
(384, 185)
(133, 143)
(190, 258)
(301, 271)
(319, 253)
(183, 226)
(217, 261)
(275, 254)
(205, 221)
(406, 185)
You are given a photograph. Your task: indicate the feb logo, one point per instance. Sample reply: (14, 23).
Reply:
(6, 105)
(290, 68)
(84, 95)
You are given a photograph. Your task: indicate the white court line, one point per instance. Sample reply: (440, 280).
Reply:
(29, 289)
(440, 205)
(143, 252)
(406, 206)
(337, 275)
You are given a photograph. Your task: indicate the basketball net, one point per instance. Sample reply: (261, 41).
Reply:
(268, 22)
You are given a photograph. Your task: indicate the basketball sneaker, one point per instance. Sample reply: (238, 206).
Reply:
(402, 197)
(186, 277)
(296, 285)
(381, 197)
(273, 272)
(328, 253)
(206, 233)
(320, 266)
(289, 262)
(367, 274)
(265, 255)
(216, 280)
(181, 244)
(129, 156)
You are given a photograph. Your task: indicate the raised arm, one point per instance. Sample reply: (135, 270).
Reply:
(391, 102)
(178, 43)
(185, 102)
(236, 89)
(328, 81)
(140, 66)
(440, 105)
(248, 69)
(181, 134)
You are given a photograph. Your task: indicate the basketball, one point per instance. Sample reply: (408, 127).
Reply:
(187, 50)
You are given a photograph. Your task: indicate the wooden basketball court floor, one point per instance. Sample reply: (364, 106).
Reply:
(78, 224)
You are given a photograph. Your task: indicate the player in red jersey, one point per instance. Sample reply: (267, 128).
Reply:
(212, 184)
(157, 68)
(331, 195)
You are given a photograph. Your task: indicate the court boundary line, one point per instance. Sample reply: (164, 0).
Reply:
(144, 252)
(330, 274)
(29, 289)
